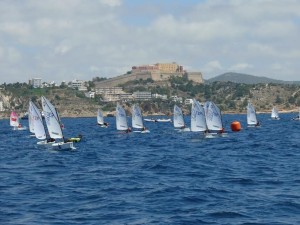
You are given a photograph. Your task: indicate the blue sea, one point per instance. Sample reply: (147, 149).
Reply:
(162, 177)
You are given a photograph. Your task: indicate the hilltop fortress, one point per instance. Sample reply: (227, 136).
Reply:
(156, 72)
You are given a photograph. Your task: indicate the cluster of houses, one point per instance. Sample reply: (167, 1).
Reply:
(109, 94)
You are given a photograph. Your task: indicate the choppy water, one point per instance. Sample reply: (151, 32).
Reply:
(164, 177)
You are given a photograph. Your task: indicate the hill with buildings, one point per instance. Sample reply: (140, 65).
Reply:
(158, 72)
(155, 97)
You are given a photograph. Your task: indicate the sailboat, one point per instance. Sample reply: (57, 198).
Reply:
(38, 126)
(297, 117)
(100, 120)
(251, 116)
(137, 119)
(30, 120)
(275, 114)
(198, 120)
(14, 121)
(213, 118)
(178, 120)
(121, 120)
(54, 126)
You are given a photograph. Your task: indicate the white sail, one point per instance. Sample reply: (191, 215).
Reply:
(37, 121)
(205, 107)
(14, 119)
(30, 119)
(198, 121)
(100, 117)
(137, 118)
(52, 120)
(121, 120)
(213, 117)
(274, 114)
(178, 117)
(251, 115)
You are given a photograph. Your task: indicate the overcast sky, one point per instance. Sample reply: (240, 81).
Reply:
(60, 40)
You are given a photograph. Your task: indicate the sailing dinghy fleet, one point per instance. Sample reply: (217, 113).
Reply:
(205, 119)
(49, 136)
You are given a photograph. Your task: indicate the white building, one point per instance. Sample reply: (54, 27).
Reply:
(188, 101)
(163, 97)
(109, 90)
(110, 97)
(142, 95)
(1, 106)
(90, 94)
(77, 84)
(175, 98)
(36, 82)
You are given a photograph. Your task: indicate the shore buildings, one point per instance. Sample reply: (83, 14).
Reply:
(35, 82)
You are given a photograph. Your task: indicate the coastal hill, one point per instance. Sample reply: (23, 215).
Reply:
(231, 95)
(247, 79)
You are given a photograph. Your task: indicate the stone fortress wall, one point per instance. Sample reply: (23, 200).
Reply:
(156, 72)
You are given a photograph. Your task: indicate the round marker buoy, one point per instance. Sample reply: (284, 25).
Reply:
(235, 126)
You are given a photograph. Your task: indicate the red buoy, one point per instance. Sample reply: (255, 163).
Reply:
(235, 126)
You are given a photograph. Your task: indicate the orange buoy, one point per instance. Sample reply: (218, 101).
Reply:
(235, 126)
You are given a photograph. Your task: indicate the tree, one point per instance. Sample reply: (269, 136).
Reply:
(278, 100)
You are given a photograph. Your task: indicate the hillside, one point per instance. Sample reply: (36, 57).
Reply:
(69, 102)
(246, 79)
(231, 97)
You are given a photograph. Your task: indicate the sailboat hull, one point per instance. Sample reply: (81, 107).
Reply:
(45, 144)
(19, 128)
(63, 146)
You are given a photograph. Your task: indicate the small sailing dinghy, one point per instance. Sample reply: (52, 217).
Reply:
(14, 122)
(100, 120)
(137, 119)
(54, 126)
(121, 120)
(150, 120)
(163, 120)
(213, 118)
(30, 120)
(38, 127)
(198, 120)
(251, 116)
(275, 114)
(178, 120)
(297, 117)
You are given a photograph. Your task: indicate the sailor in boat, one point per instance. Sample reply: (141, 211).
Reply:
(128, 130)
(20, 125)
(50, 140)
(221, 131)
(144, 129)
(183, 127)
(75, 139)
(106, 124)
(296, 118)
(257, 124)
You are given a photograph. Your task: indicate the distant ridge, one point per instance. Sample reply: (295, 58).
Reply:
(247, 79)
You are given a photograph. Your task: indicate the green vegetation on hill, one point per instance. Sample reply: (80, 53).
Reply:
(247, 79)
(229, 96)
